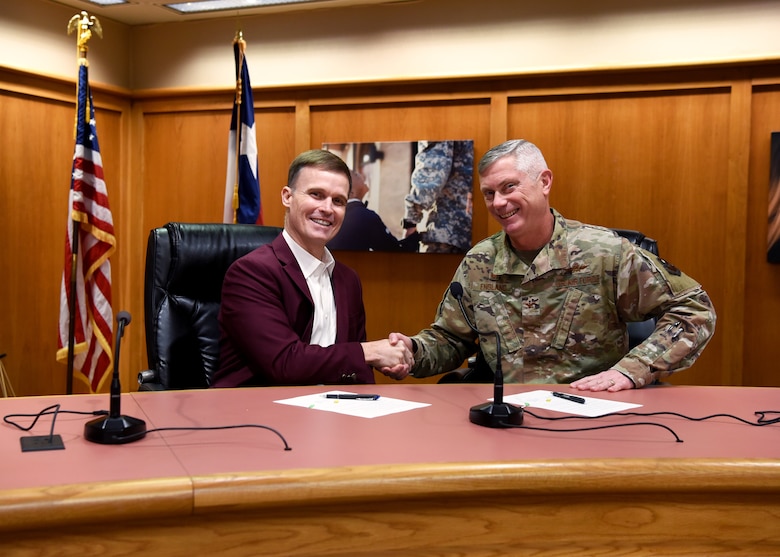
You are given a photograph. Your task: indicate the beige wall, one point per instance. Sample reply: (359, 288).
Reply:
(34, 38)
(421, 39)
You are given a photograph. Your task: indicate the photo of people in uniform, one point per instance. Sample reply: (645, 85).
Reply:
(413, 196)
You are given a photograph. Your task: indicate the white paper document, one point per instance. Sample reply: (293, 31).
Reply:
(382, 406)
(591, 407)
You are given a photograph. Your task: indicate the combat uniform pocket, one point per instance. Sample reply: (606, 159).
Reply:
(563, 326)
(491, 313)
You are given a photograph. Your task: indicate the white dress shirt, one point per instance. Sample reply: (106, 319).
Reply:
(318, 278)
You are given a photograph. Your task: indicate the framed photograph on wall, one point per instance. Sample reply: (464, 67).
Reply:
(413, 196)
(773, 233)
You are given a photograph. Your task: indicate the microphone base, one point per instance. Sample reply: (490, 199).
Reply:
(496, 415)
(114, 431)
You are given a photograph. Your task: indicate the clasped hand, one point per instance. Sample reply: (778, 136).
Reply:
(391, 357)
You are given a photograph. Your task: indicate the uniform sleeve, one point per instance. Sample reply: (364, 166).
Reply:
(648, 286)
(449, 341)
(432, 167)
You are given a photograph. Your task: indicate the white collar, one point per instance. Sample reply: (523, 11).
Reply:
(306, 261)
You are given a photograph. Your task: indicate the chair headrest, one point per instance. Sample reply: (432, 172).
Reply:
(639, 239)
(200, 254)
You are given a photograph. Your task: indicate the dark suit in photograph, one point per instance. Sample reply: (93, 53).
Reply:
(364, 230)
(266, 321)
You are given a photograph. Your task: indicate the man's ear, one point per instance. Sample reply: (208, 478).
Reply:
(286, 196)
(546, 178)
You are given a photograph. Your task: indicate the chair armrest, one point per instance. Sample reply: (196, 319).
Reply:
(147, 381)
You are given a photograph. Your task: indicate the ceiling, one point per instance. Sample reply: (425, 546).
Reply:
(144, 12)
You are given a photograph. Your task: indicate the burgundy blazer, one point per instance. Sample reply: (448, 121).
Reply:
(266, 318)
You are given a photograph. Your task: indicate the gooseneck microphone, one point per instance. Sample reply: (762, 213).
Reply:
(497, 413)
(116, 428)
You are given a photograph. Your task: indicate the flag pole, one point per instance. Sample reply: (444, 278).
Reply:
(82, 23)
(238, 39)
(72, 302)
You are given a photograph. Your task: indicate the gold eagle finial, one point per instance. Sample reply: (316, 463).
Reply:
(84, 24)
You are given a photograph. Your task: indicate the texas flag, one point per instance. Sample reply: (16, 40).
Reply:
(242, 185)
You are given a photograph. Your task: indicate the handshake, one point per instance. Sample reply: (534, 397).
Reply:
(392, 356)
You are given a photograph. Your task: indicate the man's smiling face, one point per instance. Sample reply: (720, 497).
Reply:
(316, 203)
(518, 202)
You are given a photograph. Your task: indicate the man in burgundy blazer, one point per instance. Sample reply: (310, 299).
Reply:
(267, 312)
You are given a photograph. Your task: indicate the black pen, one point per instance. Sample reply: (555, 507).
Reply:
(572, 398)
(351, 397)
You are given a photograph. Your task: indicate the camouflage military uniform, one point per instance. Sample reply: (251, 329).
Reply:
(441, 185)
(563, 316)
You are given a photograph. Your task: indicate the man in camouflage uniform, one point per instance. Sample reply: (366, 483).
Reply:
(441, 191)
(559, 294)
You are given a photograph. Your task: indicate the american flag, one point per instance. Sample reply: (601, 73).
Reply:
(88, 209)
(242, 131)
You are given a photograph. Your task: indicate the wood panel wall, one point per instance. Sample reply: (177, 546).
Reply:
(36, 153)
(649, 161)
(762, 280)
(681, 154)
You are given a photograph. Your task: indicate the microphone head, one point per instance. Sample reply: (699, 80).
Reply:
(456, 289)
(123, 316)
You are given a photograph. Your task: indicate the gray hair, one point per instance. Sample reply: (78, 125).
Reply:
(528, 157)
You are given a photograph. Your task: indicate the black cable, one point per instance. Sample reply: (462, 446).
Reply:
(761, 421)
(45, 412)
(207, 428)
(670, 430)
(55, 409)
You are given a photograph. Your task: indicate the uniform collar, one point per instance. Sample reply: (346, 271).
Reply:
(554, 255)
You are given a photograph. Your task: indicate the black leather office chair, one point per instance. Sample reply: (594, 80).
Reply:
(478, 370)
(185, 267)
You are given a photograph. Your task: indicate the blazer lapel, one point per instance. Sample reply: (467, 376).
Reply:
(290, 266)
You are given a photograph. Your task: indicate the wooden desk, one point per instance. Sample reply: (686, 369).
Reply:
(424, 482)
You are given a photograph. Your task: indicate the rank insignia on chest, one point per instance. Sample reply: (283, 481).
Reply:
(531, 305)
